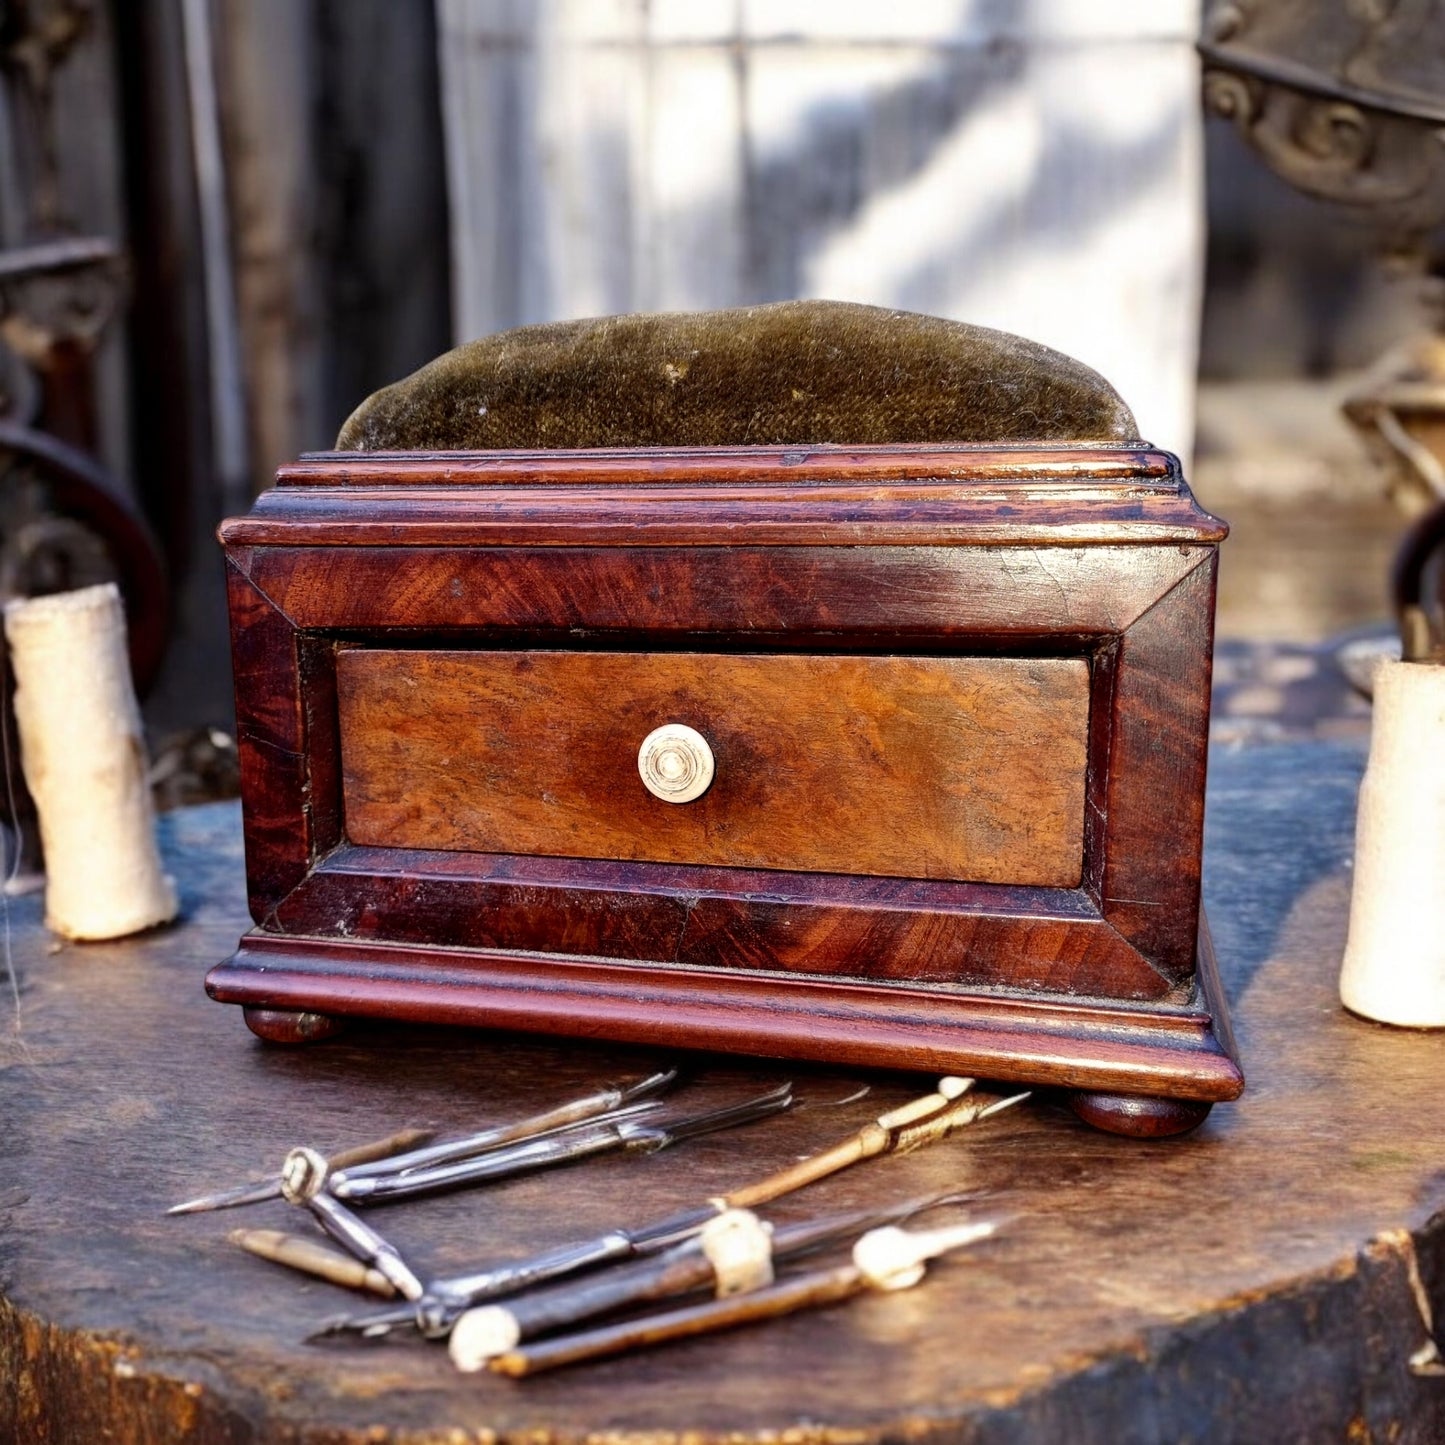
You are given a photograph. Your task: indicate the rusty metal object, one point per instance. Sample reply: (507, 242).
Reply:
(1417, 585)
(69, 287)
(56, 300)
(1399, 409)
(62, 526)
(1346, 102)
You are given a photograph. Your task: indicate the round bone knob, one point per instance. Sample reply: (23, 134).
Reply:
(302, 1175)
(676, 763)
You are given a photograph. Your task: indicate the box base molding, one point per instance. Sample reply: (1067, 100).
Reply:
(1133, 1059)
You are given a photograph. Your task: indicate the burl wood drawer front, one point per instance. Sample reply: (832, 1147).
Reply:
(951, 768)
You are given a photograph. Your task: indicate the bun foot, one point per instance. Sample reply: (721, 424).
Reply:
(1138, 1116)
(288, 1026)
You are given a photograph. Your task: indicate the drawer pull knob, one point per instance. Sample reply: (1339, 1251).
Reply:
(676, 763)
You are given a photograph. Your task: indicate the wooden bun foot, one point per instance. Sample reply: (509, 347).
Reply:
(1137, 1116)
(288, 1026)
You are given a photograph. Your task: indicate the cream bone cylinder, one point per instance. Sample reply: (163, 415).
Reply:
(1394, 965)
(85, 764)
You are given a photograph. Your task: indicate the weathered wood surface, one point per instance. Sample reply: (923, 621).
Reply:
(907, 767)
(1249, 1282)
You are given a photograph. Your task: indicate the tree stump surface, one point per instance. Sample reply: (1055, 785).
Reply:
(1249, 1281)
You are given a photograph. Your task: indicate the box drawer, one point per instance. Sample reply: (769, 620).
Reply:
(969, 768)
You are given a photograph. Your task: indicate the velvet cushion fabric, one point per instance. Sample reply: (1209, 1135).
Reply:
(796, 372)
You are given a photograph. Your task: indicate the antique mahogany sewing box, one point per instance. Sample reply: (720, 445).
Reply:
(883, 754)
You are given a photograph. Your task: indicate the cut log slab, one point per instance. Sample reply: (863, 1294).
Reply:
(1249, 1281)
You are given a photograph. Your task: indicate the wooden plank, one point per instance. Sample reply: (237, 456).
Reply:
(1248, 1282)
(267, 58)
(951, 768)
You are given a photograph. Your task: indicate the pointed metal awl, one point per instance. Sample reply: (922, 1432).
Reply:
(303, 1182)
(605, 1103)
(402, 1151)
(392, 1146)
(635, 1135)
(914, 1125)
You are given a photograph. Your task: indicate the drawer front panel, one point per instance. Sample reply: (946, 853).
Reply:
(942, 768)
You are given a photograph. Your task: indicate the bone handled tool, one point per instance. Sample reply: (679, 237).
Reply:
(306, 1181)
(734, 1253)
(640, 1132)
(401, 1152)
(916, 1124)
(883, 1259)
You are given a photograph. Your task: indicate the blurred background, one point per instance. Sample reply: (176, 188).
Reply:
(224, 222)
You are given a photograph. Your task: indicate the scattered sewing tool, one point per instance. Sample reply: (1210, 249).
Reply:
(400, 1152)
(271, 1188)
(642, 1133)
(303, 1182)
(306, 1179)
(734, 1253)
(913, 1125)
(314, 1257)
(883, 1259)
(625, 1100)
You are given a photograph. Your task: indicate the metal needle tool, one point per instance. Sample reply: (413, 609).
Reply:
(883, 1259)
(636, 1135)
(388, 1149)
(605, 1103)
(401, 1151)
(911, 1126)
(303, 1181)
(733, 1253)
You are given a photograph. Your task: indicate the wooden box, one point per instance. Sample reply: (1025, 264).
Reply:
(954, 705)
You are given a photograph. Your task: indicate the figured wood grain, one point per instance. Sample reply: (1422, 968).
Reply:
(1159, 749)
(890, 596)
(818, 925)
(949, 768)
(270, 742)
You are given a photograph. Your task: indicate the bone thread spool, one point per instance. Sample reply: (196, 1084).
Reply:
(1394, 965)
(85, 764)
